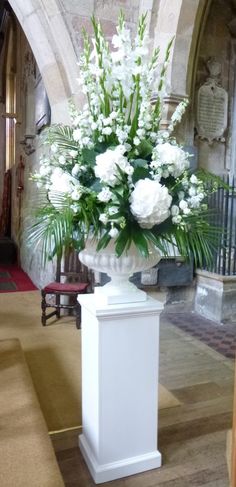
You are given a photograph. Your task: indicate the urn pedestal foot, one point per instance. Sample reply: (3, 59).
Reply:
(120, 357)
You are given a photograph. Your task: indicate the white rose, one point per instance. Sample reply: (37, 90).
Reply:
(150, 203)
(106, 165)
(171, 155)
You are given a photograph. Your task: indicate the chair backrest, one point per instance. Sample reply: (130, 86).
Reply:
(70, 269)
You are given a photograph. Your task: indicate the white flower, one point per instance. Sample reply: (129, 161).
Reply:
(193, 179)
(181, 195)
(194, 202)
(54, 148)
(112, 210)
(186, 211)
(113, 232)
(106, 165)
(62, 160)
(192, 191)
(104, 195)
(73, 153)
(76, 194)
(183, 204)
(174, 210)
(129, 170)
(103, 218)
(60, 181)
(107, 130)
(77, 134)
(136, 141)
(177, 219)
(150, 203)
(44, 170)
(75, 170)
(171, 156)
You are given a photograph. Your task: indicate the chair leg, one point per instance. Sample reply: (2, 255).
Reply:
(78, 315)
(44, 307)
(58, 311)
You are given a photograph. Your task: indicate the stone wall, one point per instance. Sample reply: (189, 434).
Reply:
(53, 32)
(217, 44)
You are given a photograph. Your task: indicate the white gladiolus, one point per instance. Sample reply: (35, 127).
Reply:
(150, 203)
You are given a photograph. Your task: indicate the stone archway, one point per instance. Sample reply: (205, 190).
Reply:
(183, 20)
(47, 34)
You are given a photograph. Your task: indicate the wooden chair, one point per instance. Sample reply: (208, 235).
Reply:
(74, 279)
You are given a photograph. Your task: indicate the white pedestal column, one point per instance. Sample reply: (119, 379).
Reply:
(120, 357)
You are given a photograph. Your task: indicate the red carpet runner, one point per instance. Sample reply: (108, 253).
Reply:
(14, 279)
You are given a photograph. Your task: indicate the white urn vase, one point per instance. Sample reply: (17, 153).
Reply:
(119, 290)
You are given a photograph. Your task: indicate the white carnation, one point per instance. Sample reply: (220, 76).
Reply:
(171, 156)
(106, 165)
(150, 203)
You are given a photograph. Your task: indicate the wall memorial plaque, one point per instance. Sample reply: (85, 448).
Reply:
(212, 108)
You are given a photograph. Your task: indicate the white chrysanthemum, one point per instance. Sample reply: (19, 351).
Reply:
(150, 203)
(171, 156)
(106, 165)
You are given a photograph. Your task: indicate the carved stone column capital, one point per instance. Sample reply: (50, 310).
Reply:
(171, 101)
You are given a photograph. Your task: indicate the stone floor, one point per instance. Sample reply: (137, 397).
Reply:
(192, 436)
(220, 337)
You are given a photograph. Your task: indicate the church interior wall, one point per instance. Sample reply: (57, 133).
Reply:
(58, 26)
(217, 45)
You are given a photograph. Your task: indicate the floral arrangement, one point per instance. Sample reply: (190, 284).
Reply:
(114, 173)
